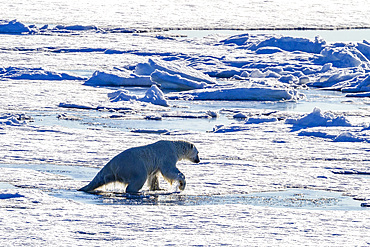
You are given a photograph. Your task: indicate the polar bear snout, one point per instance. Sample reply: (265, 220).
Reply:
(196, 159)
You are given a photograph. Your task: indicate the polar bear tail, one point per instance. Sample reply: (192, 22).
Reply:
(99, 180)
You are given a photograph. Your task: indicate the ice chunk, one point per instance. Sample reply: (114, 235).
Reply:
(358, 95)
(341, 57)
(229, 128)
(173, 68)
(121, 95)
(268, 50)
(318, 118)
(75, 28)
(339, 79)
(118, 78)
(294, 44)
(326, 67)
(256, 73)
(13, 27)
(348, 137)
(364, 49)
(175, 81)
(259, 120)
(153, 95)
(257, 94)
(240, 115)
(362, 86)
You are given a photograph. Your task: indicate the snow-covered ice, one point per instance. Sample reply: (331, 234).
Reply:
(81, 82)
(153, 95)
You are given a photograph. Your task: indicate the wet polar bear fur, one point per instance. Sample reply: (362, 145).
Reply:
(137, 165)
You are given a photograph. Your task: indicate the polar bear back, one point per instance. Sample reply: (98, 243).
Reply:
(149, 158)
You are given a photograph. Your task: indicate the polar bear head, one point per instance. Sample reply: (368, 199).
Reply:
(193, 154)
(188, 151)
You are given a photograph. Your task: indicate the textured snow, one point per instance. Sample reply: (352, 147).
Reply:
(68, 68)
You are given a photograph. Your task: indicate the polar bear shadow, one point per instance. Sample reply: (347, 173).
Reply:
(139, 165)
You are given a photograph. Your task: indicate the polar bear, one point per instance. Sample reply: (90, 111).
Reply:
(137, 165)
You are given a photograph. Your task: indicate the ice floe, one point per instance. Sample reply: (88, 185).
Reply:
(267, 44)
(173, 68)
(13, 27)
(21, 73)
(175, 82)
(240, 93)
(318, 118)
(118, 78)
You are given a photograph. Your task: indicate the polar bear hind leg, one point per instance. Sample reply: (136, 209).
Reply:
(153, 182)
(134, 186)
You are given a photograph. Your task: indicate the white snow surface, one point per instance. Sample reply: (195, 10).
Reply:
(52, 115)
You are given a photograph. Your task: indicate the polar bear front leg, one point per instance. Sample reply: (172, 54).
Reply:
(173, 174)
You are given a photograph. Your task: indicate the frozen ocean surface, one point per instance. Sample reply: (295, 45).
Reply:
(274, 94)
